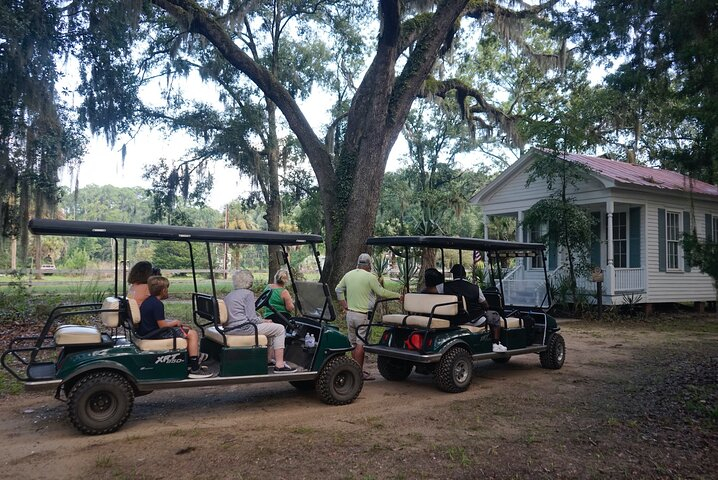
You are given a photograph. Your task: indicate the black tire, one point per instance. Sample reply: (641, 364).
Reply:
(393, 369)
(502, 359)
(554, 356)
(100, 403)
(454, 371)
(303, 385)
(340, 381)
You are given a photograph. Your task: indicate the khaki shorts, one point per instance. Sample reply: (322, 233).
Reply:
(354, 320)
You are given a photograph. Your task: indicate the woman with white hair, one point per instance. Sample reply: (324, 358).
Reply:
(240, 307)
(280, 299)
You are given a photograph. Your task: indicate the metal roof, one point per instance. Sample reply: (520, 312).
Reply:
(633, 174)
(41, 226)
(457, 243)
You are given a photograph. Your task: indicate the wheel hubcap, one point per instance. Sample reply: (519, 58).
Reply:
(101, 405)
(461, 372)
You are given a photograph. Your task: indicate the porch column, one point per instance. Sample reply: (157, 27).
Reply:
(520, 230)
(486, 227)
(609, 273)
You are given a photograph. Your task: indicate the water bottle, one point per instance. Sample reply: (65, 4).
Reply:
(307, 340)
(314, 341)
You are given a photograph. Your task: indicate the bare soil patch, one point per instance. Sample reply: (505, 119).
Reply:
(632, 401)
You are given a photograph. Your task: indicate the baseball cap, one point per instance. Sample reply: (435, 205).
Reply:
(364, 259)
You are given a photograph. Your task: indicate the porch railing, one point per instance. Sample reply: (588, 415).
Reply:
(629, 279)
(624, 280)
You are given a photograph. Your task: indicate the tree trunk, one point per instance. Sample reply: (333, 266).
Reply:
(273, 200)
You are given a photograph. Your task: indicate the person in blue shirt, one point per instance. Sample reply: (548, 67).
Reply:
(154, 325)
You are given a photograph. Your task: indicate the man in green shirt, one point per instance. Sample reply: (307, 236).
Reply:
(357, 292)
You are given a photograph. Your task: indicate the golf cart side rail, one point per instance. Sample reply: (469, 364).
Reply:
(40, 226)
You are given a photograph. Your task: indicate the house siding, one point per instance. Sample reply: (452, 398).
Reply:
(678, 285)
(515, 196)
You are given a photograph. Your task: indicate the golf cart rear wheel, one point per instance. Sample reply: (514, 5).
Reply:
(100, 403)
(393, 369)
(340, 381)
(455, 371)
(554, 356)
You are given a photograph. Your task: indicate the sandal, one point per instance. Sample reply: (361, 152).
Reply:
(367, 376)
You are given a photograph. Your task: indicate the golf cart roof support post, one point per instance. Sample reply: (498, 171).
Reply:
(211, 272)
(406, 269)
(545, 274)
(285, 256)
(124, 268)
(443, 262)
(191, 260)
(117, 264)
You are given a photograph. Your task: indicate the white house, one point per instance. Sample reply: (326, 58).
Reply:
(641, 215)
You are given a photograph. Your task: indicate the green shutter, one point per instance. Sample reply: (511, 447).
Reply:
(596, 240)
(709, 228)
(686, 231)
(661, 240)
(634, 237)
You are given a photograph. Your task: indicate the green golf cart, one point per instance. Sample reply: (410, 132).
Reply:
(93, 357)
(425, 336)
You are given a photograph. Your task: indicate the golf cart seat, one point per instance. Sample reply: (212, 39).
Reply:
(150, 344)
(419, 305)
(496, 303)
(246, 340)
(89, 335)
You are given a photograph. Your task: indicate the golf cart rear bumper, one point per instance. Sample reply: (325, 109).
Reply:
(416, 357)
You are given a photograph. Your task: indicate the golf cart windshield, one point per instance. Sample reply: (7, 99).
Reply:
(313, 300)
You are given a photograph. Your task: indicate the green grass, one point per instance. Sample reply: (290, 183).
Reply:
(8, 384)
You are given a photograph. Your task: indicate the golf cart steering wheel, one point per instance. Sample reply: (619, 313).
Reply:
(263, 300)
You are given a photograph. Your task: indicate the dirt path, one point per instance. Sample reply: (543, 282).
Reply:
(629, 402)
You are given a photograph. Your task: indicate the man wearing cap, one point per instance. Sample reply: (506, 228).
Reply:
(357, 292)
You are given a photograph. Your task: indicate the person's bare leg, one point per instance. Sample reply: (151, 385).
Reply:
(192, 343)
(279, 357)
(358, 355)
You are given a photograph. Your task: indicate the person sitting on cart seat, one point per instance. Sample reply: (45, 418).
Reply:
(433, 281)
(154, 325)
(242, 314)
(356, 292)
(137, 278)
(477, 308)
(280, 299)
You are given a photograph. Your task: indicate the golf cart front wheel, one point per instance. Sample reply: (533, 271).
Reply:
(455, 371)
(554, 356)
(340, 381)
(100, 403)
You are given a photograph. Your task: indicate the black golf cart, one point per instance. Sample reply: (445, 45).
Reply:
(94, 358)
(424, 338)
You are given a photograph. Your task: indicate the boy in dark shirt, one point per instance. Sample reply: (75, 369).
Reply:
(154, 325)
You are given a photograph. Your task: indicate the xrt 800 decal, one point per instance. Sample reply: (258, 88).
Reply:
(173, 358)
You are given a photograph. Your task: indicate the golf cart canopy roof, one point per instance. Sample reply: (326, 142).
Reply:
(40, 226)
(457, 243)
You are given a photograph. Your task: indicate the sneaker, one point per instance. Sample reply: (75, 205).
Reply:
(199, 374)
(498, 348)
(285, 369)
